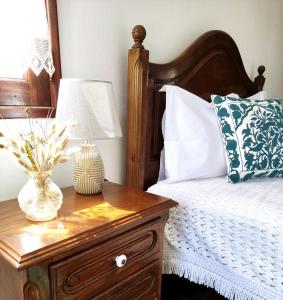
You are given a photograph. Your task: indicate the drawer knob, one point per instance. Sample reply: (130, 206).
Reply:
(121, 260)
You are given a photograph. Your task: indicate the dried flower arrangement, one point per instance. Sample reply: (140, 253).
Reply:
(37, 150)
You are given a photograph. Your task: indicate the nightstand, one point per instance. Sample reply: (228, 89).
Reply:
(106, 246)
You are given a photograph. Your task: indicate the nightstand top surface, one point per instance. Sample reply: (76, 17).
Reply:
(80, 219)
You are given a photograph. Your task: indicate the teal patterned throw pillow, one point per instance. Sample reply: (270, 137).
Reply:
(252, 132)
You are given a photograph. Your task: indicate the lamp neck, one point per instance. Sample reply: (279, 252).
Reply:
(88, 142)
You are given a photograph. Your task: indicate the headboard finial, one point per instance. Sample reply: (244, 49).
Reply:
(261, 70)
(260, 79)
(138, 34)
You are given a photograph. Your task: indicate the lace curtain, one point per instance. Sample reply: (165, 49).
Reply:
(25, 39)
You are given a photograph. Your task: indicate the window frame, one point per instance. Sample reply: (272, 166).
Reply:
(38, 93)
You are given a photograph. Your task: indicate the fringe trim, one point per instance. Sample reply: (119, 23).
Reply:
(201, 276)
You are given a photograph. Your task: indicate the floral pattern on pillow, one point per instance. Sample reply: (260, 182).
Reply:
(252, 132)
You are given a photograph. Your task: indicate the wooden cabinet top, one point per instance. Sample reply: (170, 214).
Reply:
(81, 219)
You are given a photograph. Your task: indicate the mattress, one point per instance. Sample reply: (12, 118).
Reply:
(226, 236)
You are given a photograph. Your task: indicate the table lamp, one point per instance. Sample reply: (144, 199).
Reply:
(91, 104)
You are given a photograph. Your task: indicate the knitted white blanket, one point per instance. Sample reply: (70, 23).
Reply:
(227, 236)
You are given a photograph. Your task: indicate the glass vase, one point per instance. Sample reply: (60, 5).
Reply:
(40, 198)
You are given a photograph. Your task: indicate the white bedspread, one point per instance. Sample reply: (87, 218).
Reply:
(226, 236)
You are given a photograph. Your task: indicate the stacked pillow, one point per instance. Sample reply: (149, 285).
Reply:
(252, 134)
(193, 146)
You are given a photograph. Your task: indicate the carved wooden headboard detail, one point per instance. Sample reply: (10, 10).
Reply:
(211, 65)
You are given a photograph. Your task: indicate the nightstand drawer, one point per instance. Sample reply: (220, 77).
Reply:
(96, 269)
(141, 285)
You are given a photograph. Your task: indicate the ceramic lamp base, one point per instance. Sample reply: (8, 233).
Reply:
(88, 171)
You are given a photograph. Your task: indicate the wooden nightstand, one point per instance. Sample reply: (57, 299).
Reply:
(106, 246)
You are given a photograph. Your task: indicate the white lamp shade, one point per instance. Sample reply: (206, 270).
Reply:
(91, 104)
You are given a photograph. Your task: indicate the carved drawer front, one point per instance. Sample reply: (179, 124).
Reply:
(91, 272)
(144, 284)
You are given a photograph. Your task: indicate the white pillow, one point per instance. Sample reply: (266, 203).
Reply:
(193, 146)
(192, 142)
(263, 95)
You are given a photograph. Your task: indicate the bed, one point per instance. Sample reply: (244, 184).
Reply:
(221, 235)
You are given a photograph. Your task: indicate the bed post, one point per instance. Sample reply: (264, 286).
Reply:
(259, 80)
(138, 64)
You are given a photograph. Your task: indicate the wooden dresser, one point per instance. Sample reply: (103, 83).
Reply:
(106, 246)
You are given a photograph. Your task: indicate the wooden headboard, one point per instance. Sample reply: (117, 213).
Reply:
(211, 65)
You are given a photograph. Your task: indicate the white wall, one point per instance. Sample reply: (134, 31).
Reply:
(95, 36)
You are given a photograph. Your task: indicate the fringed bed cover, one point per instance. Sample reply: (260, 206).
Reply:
(226, 236)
